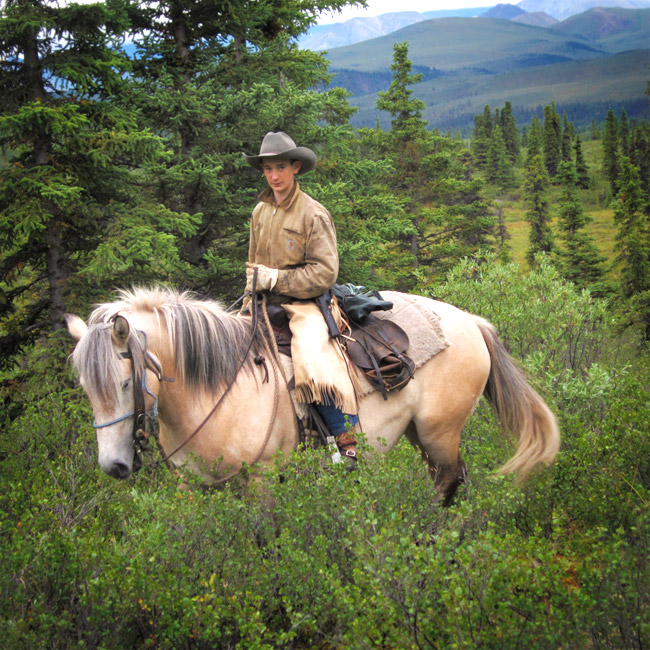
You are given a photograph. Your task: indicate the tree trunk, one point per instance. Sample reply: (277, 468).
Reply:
(56, 275)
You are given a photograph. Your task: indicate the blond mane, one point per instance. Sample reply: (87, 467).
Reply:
(207, 343)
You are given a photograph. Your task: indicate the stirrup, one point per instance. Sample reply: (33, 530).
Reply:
(347, 446)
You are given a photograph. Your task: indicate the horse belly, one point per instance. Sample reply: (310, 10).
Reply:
(384, 421)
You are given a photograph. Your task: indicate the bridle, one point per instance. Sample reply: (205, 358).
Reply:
(139, 413)
(139, 381)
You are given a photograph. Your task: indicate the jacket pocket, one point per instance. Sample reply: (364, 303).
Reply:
(293, 245)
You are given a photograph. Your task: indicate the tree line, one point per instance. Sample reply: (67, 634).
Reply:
(554, 156)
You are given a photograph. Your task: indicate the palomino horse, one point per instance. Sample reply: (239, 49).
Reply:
(222, 401)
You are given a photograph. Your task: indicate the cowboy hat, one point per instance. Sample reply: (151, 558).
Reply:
(280, 145)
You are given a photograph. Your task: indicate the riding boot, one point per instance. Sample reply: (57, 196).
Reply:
(347, 444)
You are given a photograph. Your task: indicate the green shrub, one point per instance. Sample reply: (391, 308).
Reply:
(311, 556)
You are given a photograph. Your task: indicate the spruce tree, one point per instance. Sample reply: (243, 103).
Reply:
(595, 130)
(582, 170)
(212, 83)
(624, 134)
(536, 185)
(633, 247)
(510, 133)
(581, 261)
(567, 139)
(552, 140)
(73, 218)
(480, 142)
(444, 215)
(534, 140)
(499, 168)
(611, 150)
(640, 158)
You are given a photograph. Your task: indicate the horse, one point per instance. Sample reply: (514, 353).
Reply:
(221, 399)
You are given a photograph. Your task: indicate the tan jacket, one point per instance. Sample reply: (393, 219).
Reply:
(298, 238)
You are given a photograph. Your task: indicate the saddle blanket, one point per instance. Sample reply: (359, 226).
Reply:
(415, 315)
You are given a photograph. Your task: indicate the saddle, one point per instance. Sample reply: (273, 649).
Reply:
(376, 346)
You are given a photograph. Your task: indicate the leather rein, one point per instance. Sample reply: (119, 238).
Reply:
(139, 412)
(139, 381)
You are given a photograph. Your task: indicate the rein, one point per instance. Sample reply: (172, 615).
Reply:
(139, 412)
(259, 360)
(139, 380)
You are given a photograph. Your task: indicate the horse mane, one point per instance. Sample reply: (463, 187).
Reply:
(208, 344)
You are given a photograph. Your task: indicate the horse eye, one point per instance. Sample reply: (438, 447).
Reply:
(126, 383)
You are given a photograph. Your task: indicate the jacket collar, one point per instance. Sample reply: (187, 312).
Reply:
(267, 196)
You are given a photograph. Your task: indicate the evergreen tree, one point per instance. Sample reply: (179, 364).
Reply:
(640, 158)
(499, 166)
(611, 149)
(624, 134)
(582, 170)
(567, 139)
(581, 261)
(213, 83)
(633, 247)
(595, 130)
(536, 185)
(444, 216)
(481, 137)
(73, 220)
(534, 140)
(510, 133)
(552, 142)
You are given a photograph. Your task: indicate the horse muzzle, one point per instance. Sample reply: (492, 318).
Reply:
(118, 469)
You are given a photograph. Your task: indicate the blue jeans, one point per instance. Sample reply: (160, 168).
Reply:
(337, 421)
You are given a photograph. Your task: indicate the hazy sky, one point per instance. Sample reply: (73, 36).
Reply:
(377, 7)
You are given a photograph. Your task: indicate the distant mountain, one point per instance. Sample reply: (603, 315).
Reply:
(562, 9)
(468, 63)
(630, 28)
(505, 12)
(528, 12)
(463, 45)
(536, 18)
(356, 30)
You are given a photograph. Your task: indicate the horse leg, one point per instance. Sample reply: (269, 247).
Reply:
(446, 472)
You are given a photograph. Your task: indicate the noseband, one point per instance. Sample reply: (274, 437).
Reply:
(139, 412)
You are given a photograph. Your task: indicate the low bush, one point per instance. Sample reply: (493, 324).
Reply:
(315, 557)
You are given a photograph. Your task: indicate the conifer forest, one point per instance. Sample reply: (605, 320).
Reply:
(122, 129)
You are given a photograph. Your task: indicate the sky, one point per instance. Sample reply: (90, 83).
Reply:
(378, 7)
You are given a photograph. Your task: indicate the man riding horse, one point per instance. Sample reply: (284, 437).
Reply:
(293, 248)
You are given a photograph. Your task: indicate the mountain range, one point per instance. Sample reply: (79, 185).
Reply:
(543, 13)
(584, 63)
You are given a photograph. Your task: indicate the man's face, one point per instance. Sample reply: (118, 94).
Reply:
(280, 174)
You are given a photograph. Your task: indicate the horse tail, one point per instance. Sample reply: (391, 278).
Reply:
(519, 408)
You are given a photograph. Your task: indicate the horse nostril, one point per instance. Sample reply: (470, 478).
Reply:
(119, 470)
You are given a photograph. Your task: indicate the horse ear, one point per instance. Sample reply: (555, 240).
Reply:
(76, 326)
(120, 330)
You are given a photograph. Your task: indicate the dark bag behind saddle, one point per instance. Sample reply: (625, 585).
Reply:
(378, 348)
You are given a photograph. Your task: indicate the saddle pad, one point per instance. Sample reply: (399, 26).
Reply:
(416, 316)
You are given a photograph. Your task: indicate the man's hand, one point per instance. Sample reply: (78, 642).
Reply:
(266, 277)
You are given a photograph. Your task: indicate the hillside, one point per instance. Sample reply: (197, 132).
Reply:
(472, 62)
(537, 18)
(542, 13)
(355, 30)
(613, 29)
(503, 11)
(455, 44)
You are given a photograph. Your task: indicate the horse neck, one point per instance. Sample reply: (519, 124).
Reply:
(206, 350)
